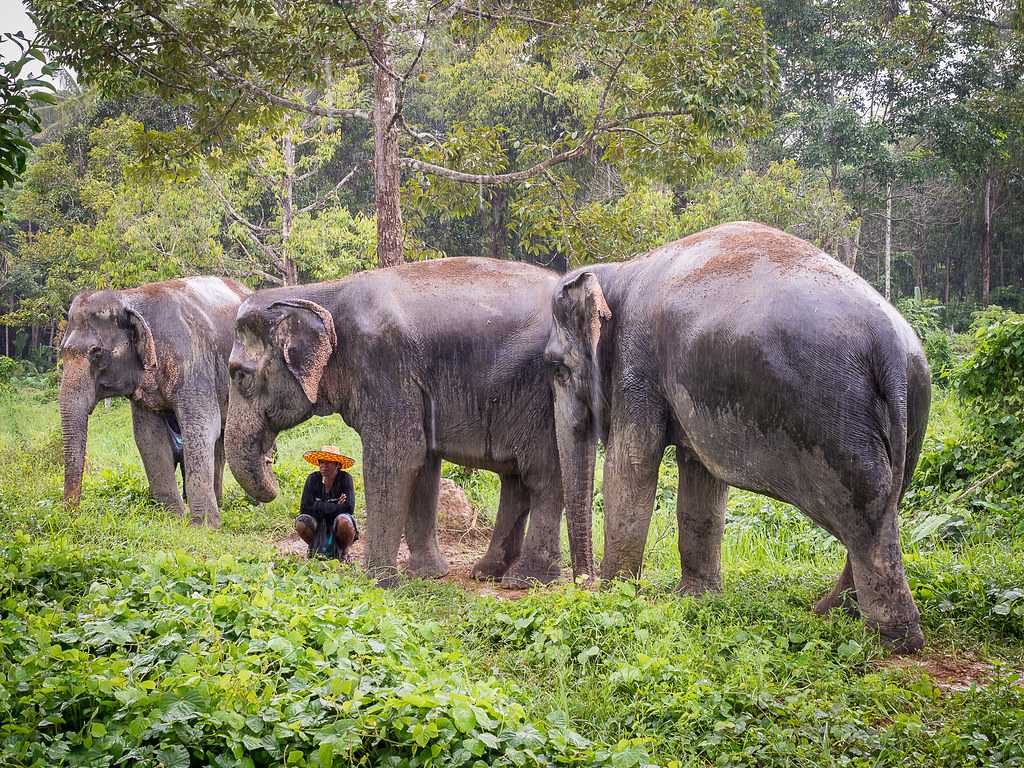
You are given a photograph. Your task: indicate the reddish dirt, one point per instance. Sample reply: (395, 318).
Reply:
(951, 673)
(461, 549)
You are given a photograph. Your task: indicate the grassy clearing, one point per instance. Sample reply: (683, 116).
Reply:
(127, 637)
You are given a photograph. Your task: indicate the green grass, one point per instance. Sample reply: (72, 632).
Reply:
(128, 637)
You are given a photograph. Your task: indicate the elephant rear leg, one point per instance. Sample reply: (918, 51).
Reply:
(218, 470)
(507, 537)
(873, 575)
(425, 559)
(700, 513)
(883, 594)
(843, 595)
(154, 443)
(541, 558)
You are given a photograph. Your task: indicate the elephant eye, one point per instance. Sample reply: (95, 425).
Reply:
(244, 378)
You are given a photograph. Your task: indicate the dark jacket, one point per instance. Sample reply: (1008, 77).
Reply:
(322, 505)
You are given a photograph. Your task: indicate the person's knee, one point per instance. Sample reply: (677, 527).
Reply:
(344, 531)
(305, 526)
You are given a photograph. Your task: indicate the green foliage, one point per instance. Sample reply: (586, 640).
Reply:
(227, 663)
(978, 476)
(783, 196)
(924, 316)
(127, 634)
(20, 99)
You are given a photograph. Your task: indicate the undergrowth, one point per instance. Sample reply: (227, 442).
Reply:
(128, 637)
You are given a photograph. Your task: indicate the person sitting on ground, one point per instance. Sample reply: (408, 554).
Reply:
(325, 520)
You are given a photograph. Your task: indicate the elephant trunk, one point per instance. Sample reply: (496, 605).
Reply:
(77, 400)
(577, 449)
(249, 448)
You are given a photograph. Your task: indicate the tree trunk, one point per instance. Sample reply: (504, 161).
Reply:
(986, 241)
(850, 245)
(888, 241)
(495, 223)
(291, 276)
(387, 175)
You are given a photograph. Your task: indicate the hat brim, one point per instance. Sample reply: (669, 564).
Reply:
(315, 457)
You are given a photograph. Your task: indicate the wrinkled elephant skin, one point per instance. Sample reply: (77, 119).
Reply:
(165, 347)
(428, 361)
(771, 367)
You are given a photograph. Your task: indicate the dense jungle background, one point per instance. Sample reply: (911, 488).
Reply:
(290, 142)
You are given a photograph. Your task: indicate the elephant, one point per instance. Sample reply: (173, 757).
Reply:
(770, 367)
(434, 360)
(165, 347)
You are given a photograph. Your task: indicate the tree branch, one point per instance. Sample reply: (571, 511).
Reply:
(481, 14)
(322, 201)
(538, 168)
(257, 89)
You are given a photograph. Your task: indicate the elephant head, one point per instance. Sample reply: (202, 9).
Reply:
(108, 350)
(580, 313)
(277, 363)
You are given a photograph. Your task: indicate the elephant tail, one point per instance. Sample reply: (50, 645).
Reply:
(906, 401)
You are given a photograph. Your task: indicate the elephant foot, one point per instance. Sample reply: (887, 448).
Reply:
(696, 586)
(845, 600)
(426, 566)
(526, 574)
(489, 569)
(900, 638)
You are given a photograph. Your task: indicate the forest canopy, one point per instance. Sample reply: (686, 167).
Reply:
(282, 143)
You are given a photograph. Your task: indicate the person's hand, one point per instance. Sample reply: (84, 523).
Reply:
(342, 498)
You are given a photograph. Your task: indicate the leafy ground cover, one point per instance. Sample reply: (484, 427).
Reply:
(129, 638)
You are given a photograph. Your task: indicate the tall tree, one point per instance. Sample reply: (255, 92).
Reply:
(649, 97)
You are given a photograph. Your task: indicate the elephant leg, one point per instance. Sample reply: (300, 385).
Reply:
(218, 470)
(507, 538)
(157, 454)
(700, 512)
(541, 559)
(425, 559)
(843, 595)
(883, 593)
(632, 459)
(390, 471)
(200, 432)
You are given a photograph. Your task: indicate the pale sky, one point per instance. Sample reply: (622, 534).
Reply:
(13, 18)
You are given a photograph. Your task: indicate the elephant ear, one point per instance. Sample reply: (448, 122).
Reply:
(306, 337)
(144, 344)
(581, 308)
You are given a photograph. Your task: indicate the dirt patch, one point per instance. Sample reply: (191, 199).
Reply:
(462, 538)
(741, 246)
(951, 673)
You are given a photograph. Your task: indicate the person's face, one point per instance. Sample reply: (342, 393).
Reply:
(327, 468)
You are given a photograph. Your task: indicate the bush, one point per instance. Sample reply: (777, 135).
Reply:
(925, 317)
(985, 465)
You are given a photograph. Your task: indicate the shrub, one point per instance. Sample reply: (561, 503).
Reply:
(925, 317)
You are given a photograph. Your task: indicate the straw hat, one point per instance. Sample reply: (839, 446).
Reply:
(328, 453)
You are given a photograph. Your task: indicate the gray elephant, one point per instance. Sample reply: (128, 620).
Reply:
(165, 347)
(429, 361)
(771, 367)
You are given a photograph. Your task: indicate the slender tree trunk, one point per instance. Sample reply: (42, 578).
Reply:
(986, 241)
(945, 293)
(888, 241)
(387, 174)
(291, 276)
(494, 223)
(848, 246)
